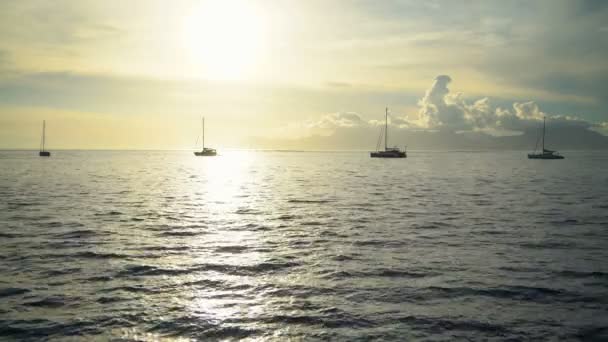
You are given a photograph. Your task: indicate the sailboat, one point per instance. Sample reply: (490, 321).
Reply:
(545, 154)
(389, 152)
(205, 152)
(42, 152)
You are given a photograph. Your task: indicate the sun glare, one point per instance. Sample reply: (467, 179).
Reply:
(225, 39)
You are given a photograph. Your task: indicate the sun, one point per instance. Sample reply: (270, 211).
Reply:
(225, 39)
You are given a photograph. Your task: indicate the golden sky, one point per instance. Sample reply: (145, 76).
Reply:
(141, 73)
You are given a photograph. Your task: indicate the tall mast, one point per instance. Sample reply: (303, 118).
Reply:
(43, 133)
(385, 128)
(544, 119)
(203, 133)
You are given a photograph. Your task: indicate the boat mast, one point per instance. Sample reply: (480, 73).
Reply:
(385, 128)
(203, 133)
(43, 133)
(544, 119)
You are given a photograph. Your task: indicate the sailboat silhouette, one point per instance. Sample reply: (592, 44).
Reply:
(205, 152)
(545, 153)
(43, 152)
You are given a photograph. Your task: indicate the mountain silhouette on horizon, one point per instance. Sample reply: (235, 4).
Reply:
(357, 138)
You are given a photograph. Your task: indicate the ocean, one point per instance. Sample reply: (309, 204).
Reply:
(262, 245)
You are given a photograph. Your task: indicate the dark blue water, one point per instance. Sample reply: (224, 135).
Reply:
(443, 246)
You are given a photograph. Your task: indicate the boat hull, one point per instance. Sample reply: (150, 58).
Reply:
(544, 156)
(44, 154)
(205, 154)
(388, 154)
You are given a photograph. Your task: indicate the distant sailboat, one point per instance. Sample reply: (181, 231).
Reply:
(544, 154)
(42, 152)
(205, 152)
(389, 152)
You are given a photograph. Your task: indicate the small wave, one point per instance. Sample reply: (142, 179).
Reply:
(288, 217)
(83, 255)
(482, 202)
(342, 258)
(67, 244)
(519, 269)
(206, 283)
(334, 320)
(146, 270)
(107, 300)
(382, 243)
(51, 302)
(312, 223)
(182, 233)
(514, 293)
(492, 232)
(41, 329)
(435, 324)
(12, 291)
(130, 289)
(567, 222)
(308, 201)
(256, 269)
(337, 275)
(545, 245)
(593, 334)
(100, 278)
(78, 234)
(200, 329)
(470, 194)
(13, 205)
(533, 294)
(268, 267)
(60, 272)
(294, 291)
(302, 320)
(580, 274)
(380, 273)
(231, 249)
(165, 248)
(246, 211)
(9, 235)
(98, 255)
(329, 233)
(250, 227)
(391, 273)
(109, 213)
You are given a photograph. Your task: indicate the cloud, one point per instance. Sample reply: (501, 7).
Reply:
(442, 110)
(439, 109)
(330, 122)
(601, 128)
(51, 24)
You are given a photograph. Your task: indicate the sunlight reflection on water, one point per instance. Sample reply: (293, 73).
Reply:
(267, 245)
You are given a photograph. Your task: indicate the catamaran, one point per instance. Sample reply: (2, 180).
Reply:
(545, 154)
(205, 152)
(389, 152)
(43, 152)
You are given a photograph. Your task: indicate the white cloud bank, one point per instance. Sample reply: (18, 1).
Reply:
(440, 110)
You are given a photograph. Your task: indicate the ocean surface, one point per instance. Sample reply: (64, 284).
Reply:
(441, 246)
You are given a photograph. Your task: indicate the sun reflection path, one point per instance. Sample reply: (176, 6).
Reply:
(225, 198)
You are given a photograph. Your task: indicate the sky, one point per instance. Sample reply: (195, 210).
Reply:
(141, 73)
